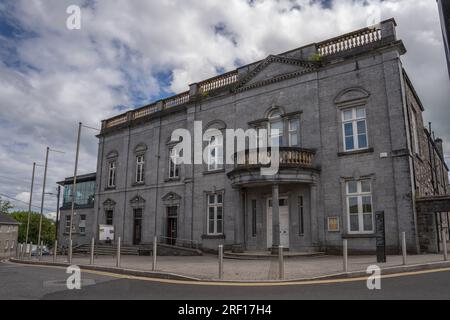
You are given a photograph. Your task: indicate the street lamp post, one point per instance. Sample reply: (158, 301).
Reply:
(74, 191)
(42, 202)
(29, 207)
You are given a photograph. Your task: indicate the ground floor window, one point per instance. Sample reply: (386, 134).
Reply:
(359, 206)
(215, 214)
(109, 217)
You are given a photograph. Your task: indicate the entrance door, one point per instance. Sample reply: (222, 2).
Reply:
(137, 227)
(172, 225)
(284, 223)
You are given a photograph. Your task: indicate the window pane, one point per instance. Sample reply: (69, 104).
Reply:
(361, 127)
(367, 204)
(352, 187)
(211, 226)
(353, 205)
(294, 125)
(348, 128)
(219, 226)
(219, 213)
(354, 222)
(349, 145)
(348, 115)
(365, 186)
(211, 213)
(219, 198)
(212, 198)
(368, 222)
(294, 139)
(361, 113)
(362, 141)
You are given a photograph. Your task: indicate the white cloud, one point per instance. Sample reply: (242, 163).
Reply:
(51, 78)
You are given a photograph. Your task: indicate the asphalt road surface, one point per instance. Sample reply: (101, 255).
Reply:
(33, 282)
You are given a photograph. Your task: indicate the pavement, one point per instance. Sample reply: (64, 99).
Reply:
(295, 268)
(19, 281)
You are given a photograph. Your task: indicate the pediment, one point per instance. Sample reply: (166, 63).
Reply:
(137, 201)
(351, 95)
(109, 203)
(274, 69)
(171, 196)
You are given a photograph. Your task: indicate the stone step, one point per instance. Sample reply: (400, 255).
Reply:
(260, 255)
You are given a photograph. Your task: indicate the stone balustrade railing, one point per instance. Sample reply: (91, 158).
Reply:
(289, 156)
(218, 82)
(349, 41)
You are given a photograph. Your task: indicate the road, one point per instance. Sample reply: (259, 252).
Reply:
(33, 282)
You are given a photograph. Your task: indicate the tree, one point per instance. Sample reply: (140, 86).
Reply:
(47, 232)
(5, 205)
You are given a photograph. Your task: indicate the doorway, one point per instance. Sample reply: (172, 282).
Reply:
(284, 222)
(137, 227)
(172, 225)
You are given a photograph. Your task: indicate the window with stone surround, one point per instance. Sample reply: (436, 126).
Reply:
(215, 214)
(359, 207)
(140, 161)
(354, 128)
(215, 153)
(112, 174)
(174, 163)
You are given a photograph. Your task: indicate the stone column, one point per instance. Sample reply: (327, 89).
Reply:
(314, 214)
(238, 246)
(275, 218)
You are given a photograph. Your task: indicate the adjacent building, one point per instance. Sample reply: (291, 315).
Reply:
(9, 233)
(83, 225)
(352, 142)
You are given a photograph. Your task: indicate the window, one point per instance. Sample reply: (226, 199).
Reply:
(109, 217)
(174, 165)
(140, 169)
(253, 218)
(301, 223)
(112, 174)
(276, 128)
(355, 129)
(82, 225)
(67, 225)
(415, 138)
(215, 153)
(215, 214)
(13, 242)
(7, 245)
(359, 207)
(294, 132)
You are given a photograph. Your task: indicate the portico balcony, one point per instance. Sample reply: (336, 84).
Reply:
(295, 166)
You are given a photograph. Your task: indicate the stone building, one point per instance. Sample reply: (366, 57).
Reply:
(9, 233)
(352, 142)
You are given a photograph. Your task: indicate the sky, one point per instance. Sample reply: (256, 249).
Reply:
(130, 53)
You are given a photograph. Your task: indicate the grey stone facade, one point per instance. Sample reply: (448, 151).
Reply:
(318, 85)
(9, 233)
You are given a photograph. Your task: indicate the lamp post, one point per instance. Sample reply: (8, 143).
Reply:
(42, 202)
(29, 205)
(74, 191)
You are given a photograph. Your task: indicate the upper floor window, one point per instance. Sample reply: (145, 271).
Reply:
(174, 163)
(354, 128)
(215, 214)
(67, 225)
(109, 215)
(294, 132)
(112, 174)
(215, 153)
(276, 129)
(359, 207)
(140, 161)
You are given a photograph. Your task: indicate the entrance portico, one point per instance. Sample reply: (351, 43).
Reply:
(279, 209)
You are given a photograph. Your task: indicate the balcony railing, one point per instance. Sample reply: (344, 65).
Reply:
(218, 82)
(289, 157)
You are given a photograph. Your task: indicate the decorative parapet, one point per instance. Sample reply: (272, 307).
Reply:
(218, 82)
(350, 41)
(289, 156)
